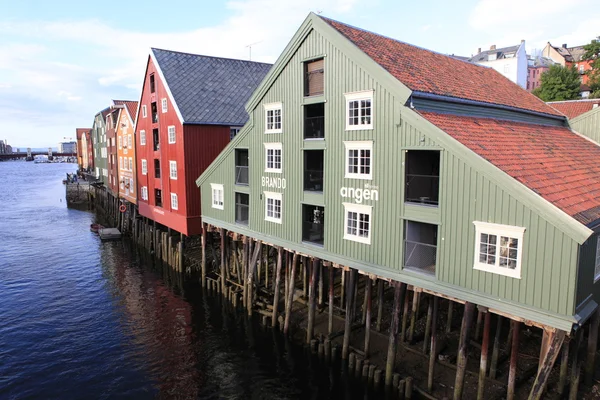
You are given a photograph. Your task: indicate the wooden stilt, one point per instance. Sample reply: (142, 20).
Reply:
(331, 282)
(399, 290)
(348, 321)
(449, 320)
(379, 304)
(461, 361)
(433, 349)
(555, 340)
(342, 291)
(222, 232)
(564, 368)
(320, 302)
(405, 316)
(292, 290)
(576, 365)
(267, 269)
(496, 349)
(245, 258)
(478, 324)
(367, 318)
(277, 283)
(286, 287)
(355, 294)
(428, 324)
(251, 270)
(312, 298)
(305, 269)
(203, 262)
(514, 356)
(590, 361)
(485, 344)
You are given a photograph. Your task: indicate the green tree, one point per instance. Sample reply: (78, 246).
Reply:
(559, 83)
(592, 54)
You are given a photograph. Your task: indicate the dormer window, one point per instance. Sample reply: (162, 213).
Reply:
(313, 78)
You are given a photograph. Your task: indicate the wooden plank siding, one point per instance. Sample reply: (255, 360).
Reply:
(588, 124)
(550, 257)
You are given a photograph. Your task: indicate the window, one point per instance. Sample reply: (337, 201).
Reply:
(359, 110)
(144, 167)
(121, 162)
(217, 196)
(357, 223)
(233, 132)
(171, 131)
(314, 121)
(420, 247)
(313, 78)
(163, 104)
(156, 168)
(144, 193)
(498, 248)
(273, 118)
(273, 207)
(120, 142)
(130, 163)
(358, 159)
(313, 224)
(313, 170)
(154, 110)
(422, 177)
(144, 112)
(156, 139)
(129, 141)
(173, 170)
(241, 167)
(174, 204)
(152, 84)
(273, 159)
(242, 208)
(143, 137)
(158, 197)
(507, 68)
(597, 267)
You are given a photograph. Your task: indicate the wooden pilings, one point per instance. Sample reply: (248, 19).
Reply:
(312, 295)
(484, 355)
(554, 340)
(399, 290)
(514, 355)
(277, 283)
(349, 312)
(461, 362)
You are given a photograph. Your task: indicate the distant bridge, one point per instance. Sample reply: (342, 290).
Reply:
(13, 156)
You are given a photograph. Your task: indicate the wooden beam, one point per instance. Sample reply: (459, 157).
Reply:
(555, 340)
(367, 317)
(379, 304)
(399, 292)
(349, 316)
(251, 268)
(277, 289)
(292, 290)
(428, 324)
(514, 356)
(433, 349)
(484, 355)
(461, 362)
(203, 261)
(590, 361)
(576, 365)
(496, 348)
(312, 298)
(331, 287)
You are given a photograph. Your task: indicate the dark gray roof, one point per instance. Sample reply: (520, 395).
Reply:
(210, 90)
(500, 53)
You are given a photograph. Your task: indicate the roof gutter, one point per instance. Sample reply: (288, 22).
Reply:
(458, 100)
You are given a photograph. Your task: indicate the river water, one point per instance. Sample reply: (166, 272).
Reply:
(82, 319)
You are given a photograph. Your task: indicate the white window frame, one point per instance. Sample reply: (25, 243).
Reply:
(129, 141)
(173, 170)
(498, 230)
(358, 145)
(597, 264)
(120, 142)
(274, 147)
(358, 96)
(144, 192)
(172, 136)
(130, 163)
(144, 167)
(274, 197)
(174, 202)
(144, 111)
(273, 107)
(218, 196)
(121, 163)
(358, 209)
(143, 137)
(163, 105)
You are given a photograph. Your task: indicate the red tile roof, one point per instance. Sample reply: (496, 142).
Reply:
(131, 107)
(430, 72)
(574, 108)
(554, 162)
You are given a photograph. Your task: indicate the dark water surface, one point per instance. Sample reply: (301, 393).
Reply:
(82, 319)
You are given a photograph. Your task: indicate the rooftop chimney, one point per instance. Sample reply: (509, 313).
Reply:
(564, 45)
(478, 50)
(493, 47)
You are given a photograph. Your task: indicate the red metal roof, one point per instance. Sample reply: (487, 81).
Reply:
(430, 72)
(574, 108)
(81, 131)
(556, 163)
(130, 105)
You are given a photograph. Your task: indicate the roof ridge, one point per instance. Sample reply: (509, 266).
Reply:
(206, 56)
(571, 101)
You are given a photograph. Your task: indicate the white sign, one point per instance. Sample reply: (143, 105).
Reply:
(358, 194)
(278, 183)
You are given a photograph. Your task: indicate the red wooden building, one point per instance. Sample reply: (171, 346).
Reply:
(85, 156)
(190, 108)
(111, 117)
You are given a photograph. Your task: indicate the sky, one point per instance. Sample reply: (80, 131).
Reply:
(63, 61)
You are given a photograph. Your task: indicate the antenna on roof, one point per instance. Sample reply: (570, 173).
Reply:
(249, 46)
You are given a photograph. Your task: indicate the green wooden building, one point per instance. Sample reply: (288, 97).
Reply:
(416, 167)
(99, 143)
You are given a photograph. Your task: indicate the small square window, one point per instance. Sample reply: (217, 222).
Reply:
(142, 137)
(357, 223)
(163, 104)
(174, 203)
(273, 157)
(273, 207)
(359, 110)
(273, 118)
(359, 160)
(171, 131)
(498, 248)
(173, 170)
(144, 167)
(217, 196)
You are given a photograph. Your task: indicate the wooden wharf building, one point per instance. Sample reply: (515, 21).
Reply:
(380, 161)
